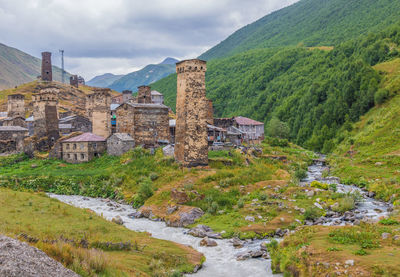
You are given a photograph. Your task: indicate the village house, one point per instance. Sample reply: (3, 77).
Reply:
(12, 138)
(77, 123)
(156, 97)
(251, 130)
(83, 148)
(119, 143)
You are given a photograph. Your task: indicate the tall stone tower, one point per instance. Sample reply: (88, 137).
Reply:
(99, 111)
(47, 73)
(73, 81)
(144, 95)
(191, 141)
(45, 114)
(16, 105)
(126, 95)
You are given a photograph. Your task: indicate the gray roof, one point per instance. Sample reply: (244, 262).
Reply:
(123, 136)
(65, 126)
(137, 105)
(30, 118)
(12, 128)
(113, 107)
(3, 114)
(154, 92)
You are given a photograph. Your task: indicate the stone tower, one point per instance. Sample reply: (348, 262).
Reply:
(126, 96)
(144, 95)
(99, 111)
(16, 105)
(210, 112)
(73, 81)
(45, 114)
(191, 141)
(47, 73)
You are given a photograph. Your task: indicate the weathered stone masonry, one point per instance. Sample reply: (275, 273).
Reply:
(16, 105)
(99, 112)
(47, 72)
(191, 144)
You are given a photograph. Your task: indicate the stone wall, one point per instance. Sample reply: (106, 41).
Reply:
(16, 105)
(126, 96)
(117, 146)
(73, 81)
(99, 112)
(144, 95)
(47, 71)
(11, 140)
(191, 144)
(83, 151)
(210, 112)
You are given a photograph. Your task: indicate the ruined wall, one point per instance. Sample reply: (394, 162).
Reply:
(45, 114)
(99, 112)
(191, 145)
(12, 140)
(73, 81)
(144, 95)
(126, 96)
(47, 72)
(16, 105)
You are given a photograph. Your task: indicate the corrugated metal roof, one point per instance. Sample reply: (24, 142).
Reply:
(241, 120)
(212, 127)
(3, 114)
(12, 128)
(123, 136)
(85, 137)
(137, 105)
(29, 119)
(113, 107)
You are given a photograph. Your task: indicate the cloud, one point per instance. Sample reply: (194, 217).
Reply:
(119, 36)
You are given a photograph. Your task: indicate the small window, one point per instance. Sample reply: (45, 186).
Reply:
(67, 146)
(82, 156)
(94, 145)
(75, 157)
(69, 156)
(74, 146)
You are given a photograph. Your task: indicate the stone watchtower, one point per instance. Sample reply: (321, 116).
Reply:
(126, 96)
(191, 141)
(47, 73)
(73, 81)
(16, 106)
(144, 95)
(45, 114)
(99, 111)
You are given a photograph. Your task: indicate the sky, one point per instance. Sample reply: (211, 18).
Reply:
(121, 36)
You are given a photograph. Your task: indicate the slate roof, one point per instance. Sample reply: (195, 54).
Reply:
(123, 136)
(241, 120)
(137, 105)
(12, 128)
(85, 137)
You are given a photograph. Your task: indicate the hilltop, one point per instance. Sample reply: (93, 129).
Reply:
(103, 81)
(310, 23)
(17, 67)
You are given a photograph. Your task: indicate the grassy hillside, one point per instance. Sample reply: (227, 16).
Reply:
(311, 22)
(370, 153)
(103, 81)
(17, 67)
(59, 230)
(314, 90)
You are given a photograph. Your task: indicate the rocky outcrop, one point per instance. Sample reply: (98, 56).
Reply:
(20, 259)
(186, 217)
(202, 231)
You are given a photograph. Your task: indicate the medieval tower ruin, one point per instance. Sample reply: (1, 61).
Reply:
(16, 106)
(47, 74)
(45, 114)
(98, 108)
(191, 142)
(144, 95)
(73, 81)
(126, 96)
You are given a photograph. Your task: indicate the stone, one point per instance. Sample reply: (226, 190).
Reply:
(396, 238)
(237, 243)
(118, 220)
(385, 235)
(20, 259)
(371, 194)
(378, 163)
(243, 256)
(318, 206)
(249, 218)
(34, 165)
(349, 262)
(256, 254)
(208, 242)
(266, 256)
(310, 193)
(187, 217)
(168, 151)
(171, 210)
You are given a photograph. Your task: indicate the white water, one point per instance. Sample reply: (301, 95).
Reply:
(220, 260)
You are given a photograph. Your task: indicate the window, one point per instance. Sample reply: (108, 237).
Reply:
(68, 156)
(81, 146)
(74, 146)
(67, 146)
(76, 157)
(94, 145)
(82, 156)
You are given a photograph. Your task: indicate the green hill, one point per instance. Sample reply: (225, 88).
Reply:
(314, 91)
(312, 23)
(17, 67)
(104, 80)
(147, 75)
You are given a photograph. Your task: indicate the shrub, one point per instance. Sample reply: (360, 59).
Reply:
(380, 96)
(345, 204)
(153, 176)
(300, 173)
(213, 208)
(240, 203)
(312, 213)
(316, 184)
(389, 221)
(145, 192)
(278, 129)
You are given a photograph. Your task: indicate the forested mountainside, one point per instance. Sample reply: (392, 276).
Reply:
(103, 81)
(17, 67)
(314, 90)
(311, 23)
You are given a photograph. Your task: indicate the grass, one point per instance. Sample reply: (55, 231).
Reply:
(63, 231)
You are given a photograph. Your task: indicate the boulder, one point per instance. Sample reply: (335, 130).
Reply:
(186, 217)
(168, 151)
(249, 218)
(118, 220)
(349, 262)
(385, 235)
(237, 243)
(208, 242)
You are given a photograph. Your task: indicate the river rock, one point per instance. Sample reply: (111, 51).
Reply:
(136, 214)
(243, 256)
(208, 242)
(256, 253)
(318, 206)
(249, 218)
(118, 220)
(237, 243)
(20, 259)
(371, 194)
(186, 218)
(266, 256)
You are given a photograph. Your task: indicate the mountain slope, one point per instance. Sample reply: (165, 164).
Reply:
(103, 81)
(147, 75)
(17, 67)
(311, 22)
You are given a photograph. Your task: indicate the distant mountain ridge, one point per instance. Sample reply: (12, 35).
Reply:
(145, 76)
(18, 67)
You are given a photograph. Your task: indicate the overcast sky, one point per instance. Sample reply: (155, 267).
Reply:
(120, 36)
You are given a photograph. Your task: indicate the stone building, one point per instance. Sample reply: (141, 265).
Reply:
(81, 81)
(144, 95)
(13, 121)
(47, 71)
(99, 111)
(191, 143)
(12, 138)
(78, 123)
(250, 130)
(156, 97)
(147, 124)
(126, 96)
(45, 114)
(16, 105)
(83, 148)
(119, 143)
(73, 81)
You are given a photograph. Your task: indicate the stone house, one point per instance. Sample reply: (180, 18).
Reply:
(156, 97)
(147, 124)
(98, 110)
(83, 148)
(13, 121)
(12, 138)
(251, 130)
(119, 143)
(78, 123)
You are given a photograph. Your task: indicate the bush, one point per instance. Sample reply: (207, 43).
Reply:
(381, 96)
(145, 192)
(316, 184)
(276, 142)
(312, 213)
(389, 221)
(213, 208)
(153, 176)
(240, 203)
(278, 129)
(300, 173)
(345, 204)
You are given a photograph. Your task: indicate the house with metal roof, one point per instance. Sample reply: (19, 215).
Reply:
(119, 143)
(251, 130)
(83, 148)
